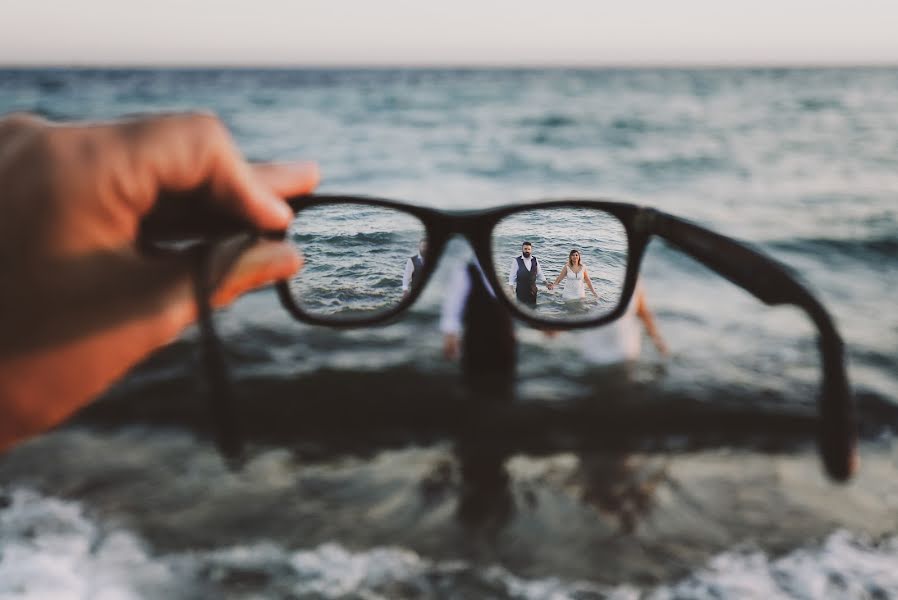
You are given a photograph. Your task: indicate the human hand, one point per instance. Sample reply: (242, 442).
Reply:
(80, 304)
(450, 346)
(551, 286)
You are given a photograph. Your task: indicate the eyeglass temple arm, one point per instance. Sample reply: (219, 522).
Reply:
(770, 282)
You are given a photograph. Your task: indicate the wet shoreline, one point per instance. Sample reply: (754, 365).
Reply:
(642, 518)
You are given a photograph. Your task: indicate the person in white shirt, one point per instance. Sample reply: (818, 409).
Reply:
(413, 266)
(488, 353)
(523, 274)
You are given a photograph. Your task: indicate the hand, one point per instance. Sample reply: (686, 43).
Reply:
(551, 286)
(80, 305)
(450, 346)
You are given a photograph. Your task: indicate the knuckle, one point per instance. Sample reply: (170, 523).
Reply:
(39, 144)
(21, 121)
(69, 148)
(208, 126)
(209, 138)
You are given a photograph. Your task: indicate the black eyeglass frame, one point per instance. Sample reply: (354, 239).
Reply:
(763, 277)
(476, 227)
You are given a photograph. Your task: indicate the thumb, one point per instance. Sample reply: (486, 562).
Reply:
(263, 263)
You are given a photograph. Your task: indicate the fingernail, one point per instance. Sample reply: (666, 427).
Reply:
(309, 167)
(275, 256)
(263, 264)
(284, 210)
(309, 171)
(279, 209)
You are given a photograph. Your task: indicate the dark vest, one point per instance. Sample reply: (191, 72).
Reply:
(526, 281)
(417, 265)
(488, 349)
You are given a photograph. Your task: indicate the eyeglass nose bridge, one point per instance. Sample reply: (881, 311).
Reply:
(475, 227)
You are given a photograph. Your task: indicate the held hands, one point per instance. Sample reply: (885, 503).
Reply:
(80, 304)
(450, 346)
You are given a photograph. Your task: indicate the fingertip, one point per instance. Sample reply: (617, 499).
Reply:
(308, 176)
(273, 213)
(288, 178)
(265, 263)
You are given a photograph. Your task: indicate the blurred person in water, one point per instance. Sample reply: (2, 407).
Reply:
(487, 349)
(80, 303)
(488, 353)
(621, 340)
(471, 316)
(477, 330)
(413, 266)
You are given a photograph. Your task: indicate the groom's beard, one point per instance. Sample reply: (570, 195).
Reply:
(526, 255)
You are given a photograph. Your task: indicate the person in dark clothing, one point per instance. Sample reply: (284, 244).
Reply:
(523, 274)
(487, 348)
(488, 355)
(413, 266)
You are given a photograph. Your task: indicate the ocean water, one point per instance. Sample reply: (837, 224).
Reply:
(369, 476)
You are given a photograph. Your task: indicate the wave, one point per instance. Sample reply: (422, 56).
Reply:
(355, 239)
(633, 124)
(844, 566)
(392, 407)
(879, 249)
(52, 548)
(818, 104)
(683, 165)
(549, 121)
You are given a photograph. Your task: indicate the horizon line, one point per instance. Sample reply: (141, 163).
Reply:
(438, 65)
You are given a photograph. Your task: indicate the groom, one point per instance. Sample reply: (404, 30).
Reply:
(413, 266)
(525, 270)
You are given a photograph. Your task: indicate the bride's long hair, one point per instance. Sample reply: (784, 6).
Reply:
(570, 258)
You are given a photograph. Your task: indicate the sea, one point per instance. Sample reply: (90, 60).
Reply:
(372, 470)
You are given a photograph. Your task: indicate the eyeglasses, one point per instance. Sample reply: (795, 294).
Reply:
(368, 259)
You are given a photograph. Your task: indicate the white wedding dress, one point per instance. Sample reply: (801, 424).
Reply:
(574, 288)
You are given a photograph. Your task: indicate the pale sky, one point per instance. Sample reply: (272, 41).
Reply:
(453, 32)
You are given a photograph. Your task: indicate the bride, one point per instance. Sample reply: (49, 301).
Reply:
(575, 276)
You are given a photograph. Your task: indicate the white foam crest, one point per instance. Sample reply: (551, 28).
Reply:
(51, 548)
(845, 566)
(332, 571)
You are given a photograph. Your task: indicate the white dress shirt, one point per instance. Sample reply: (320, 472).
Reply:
(513, 273)
(456, 298)
(407, 275)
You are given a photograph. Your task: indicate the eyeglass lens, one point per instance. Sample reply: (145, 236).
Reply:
(580, 252)
(359, 259)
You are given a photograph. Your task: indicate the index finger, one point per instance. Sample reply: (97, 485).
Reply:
(195, 153)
